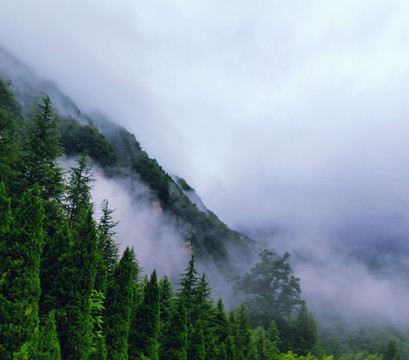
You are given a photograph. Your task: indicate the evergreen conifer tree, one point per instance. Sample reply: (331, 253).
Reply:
(75, 324)
(109, 249)
(196, 343)
(48, 345)
(21, 244)
(175, 335)
(165, 303)
(143, 340)
(42, 149)
(304, 332)
(78, 195)
(118, 305)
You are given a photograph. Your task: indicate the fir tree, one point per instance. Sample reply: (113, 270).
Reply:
(118, 304)
(42, 149)
(143, 340)
(21, 244)
(74, 320)
(196, 344)
(165, 303)
(48, 345)
(109, 249)
(304, 332)
(175, 334)
(188, 285)
(78, 196)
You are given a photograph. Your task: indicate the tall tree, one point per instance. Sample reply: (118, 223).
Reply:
(175, 334)
(273, 293)
(107, 245)
(48, 345)
(304, 332)
(21, 244)
(188, 284)
(118, 305)
(78, 197)
(143, 340)
(196, 343)
(75, 323)
(10, 152)
(42, 150)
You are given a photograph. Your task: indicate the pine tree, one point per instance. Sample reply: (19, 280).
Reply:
(175, 334)
(48, 345)
(109, 249)
(21, 244)
(165, 303)
(54, 266)
(10, 139)
(221, 323)
(118, 305)
(188, 285)
(241, 332)
(196, 343)
(74, 320)
(304, 332)
(78, 196)
(143, 339)
(42, 149)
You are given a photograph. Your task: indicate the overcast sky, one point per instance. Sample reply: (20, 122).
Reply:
(276, 112)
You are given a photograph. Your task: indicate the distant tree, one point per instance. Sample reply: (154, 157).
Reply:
(392, 351)
(273, 293)
(304, 332)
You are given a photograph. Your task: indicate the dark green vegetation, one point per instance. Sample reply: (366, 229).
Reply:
(67, 293)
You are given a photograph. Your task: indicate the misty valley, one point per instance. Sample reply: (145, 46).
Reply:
(104, 255)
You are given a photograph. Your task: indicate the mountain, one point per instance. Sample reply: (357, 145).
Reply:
(119, 156)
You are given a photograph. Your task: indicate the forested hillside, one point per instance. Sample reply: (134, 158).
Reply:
(68, 292)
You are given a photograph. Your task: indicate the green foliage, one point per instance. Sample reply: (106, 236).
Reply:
(109, 248)
(143, 339)
(42, 149)
(78, 197)
(77, 139)
(304, 332)
(48, 345)
(273, 293)
(196, 343)
(118, 304)
(154, 176)
(74, 320)
(174, 346)
(21, 245)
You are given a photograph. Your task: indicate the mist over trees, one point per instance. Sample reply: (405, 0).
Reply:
(66, 292)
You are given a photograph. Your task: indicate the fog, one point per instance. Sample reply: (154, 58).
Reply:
(282, 115)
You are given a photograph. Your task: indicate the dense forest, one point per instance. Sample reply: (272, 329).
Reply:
(68, 292)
